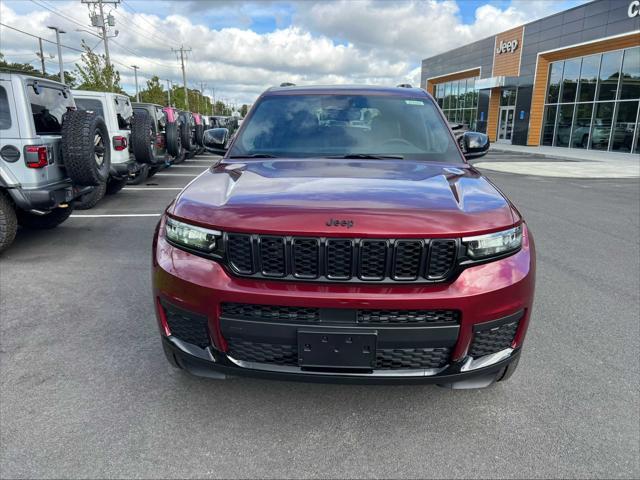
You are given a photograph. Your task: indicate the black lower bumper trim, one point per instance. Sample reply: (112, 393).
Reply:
(209, 363)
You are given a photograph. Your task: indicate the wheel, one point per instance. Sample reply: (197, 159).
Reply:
(141, 175)
(89, 200)
(153, 171)
(143, 138)
(8, 222)
(199, 134)
(174, 139)
(186, 136)
(44, 221)
(85, 147)
(114, 185)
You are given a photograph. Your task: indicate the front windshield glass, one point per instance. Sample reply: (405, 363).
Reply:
(346, 125)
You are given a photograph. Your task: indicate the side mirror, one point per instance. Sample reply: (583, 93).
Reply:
(474, 144)
(215, 140)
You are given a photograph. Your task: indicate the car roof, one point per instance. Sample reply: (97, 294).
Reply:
(346, 89)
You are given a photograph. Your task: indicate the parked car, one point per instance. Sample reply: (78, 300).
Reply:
(199, 129)
(158, 153)
(340, 253)
(117, 112)
(50, 154)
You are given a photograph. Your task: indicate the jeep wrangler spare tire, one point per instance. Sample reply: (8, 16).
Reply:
(86, 150)
(143, 138)
(200, 135)
(186, 136)
(174, 141)
(44, 221)
(8, 222)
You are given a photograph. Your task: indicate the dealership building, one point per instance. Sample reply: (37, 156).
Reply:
(569, 80)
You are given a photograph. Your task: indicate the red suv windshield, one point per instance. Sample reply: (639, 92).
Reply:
(347, 125)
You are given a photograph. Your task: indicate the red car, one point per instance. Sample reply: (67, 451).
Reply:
(344, 237)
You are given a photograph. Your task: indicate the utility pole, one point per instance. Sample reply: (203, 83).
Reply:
(168, 92)
(202, 85)
(58, 32)
(182, 51)
(41, 55)
(98, 20)
(135, 73)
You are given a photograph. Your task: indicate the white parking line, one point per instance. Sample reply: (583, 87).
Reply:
(152, 188)
(185, 166)
(117, 215)
(177, 174)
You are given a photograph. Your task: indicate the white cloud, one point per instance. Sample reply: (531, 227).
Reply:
(345, 41)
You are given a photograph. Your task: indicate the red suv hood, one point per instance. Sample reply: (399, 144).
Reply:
(374, 198)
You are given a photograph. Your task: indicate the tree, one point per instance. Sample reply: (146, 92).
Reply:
(95, 74)
(27, 68)
(220, 108)
(154, 93)
(243, 110)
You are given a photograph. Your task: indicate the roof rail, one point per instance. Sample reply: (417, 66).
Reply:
(287, 84)
(404, 85)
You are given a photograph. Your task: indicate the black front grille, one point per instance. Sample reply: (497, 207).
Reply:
(386, 359)
(187, 326)
(408, 316)
(275, 313)
(397, 358)
(271, 313)
(274, 354)
(492, 340)
(341, 260)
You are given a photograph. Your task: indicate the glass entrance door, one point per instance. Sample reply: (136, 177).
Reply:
(505, 124)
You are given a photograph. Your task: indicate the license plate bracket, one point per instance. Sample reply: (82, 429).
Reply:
(337, 349)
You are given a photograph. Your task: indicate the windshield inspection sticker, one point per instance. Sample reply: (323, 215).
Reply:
(414, 102)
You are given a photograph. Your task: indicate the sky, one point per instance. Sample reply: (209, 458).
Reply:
(238, 49)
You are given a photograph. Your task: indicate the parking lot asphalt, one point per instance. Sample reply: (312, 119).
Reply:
(85, 390)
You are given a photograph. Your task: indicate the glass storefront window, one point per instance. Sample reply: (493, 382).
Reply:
(624, 127)
(447, 94)
(589, 78)
(454, 95)
(581, 125)
(601, 128)
(555, 76)
(507, 97)
(563, 128)
(462, 92)
(570, 80)
(609, 74)
(592, 102)
(630, 74)
(549, 124)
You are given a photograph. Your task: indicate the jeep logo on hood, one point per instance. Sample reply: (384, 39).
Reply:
(339, 223)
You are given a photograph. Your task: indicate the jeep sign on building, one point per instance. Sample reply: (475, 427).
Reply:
(569, 80)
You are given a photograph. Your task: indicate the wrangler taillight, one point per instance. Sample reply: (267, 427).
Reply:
(119, 143)
(37, 156)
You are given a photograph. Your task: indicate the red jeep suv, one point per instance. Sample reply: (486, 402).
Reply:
(344, 237)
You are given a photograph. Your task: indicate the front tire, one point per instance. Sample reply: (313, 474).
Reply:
(46, 221)
(8, 222)
(91, 199)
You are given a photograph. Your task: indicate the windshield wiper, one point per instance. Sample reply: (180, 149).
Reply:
(254, 155)
(366, 156)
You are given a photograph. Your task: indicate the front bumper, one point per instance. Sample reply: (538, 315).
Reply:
(487, 296)
(213, 364)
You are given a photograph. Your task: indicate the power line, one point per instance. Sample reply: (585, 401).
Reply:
(136, 26)
(138, 54)
(44, 39)
(133, 10)
(61, 15)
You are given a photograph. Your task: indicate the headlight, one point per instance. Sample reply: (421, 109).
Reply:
(190, 236)
(493, 244)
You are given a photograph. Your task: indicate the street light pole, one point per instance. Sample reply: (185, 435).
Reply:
(58, 32)
(135, 73)
(168, 92)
